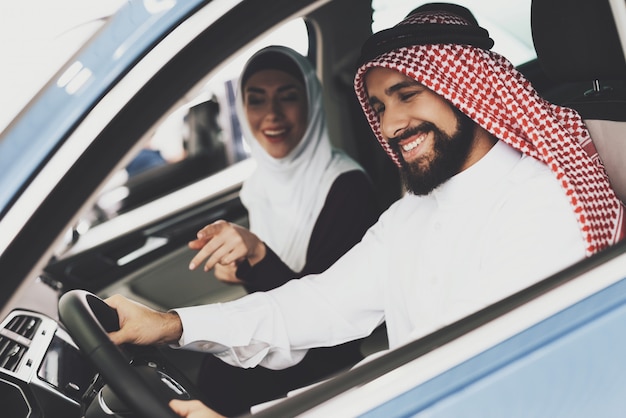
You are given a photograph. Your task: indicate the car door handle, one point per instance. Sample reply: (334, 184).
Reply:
(151, 244)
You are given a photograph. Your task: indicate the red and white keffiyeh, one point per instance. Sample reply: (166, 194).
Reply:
(487, 87)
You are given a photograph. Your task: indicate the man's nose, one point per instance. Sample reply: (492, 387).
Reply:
(393, 122)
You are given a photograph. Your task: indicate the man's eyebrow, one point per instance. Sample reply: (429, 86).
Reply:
(391, 90)
(399, 86)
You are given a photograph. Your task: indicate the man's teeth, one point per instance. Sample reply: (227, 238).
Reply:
(413, 144)
(275, 132)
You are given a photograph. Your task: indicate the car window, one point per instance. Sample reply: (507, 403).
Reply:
(202, 137)
(43, 36)
(197, 140)
(41, 43)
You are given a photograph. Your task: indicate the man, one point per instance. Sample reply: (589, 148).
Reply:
(500, 195)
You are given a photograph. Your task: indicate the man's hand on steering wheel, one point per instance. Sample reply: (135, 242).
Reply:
(142, 325)
(144, 386)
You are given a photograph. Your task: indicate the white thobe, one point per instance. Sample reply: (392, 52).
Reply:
(491, 230)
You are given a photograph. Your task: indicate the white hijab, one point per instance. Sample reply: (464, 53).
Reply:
(284, 196)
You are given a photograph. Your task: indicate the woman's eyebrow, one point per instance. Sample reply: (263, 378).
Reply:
(287, 87)
(252, 89)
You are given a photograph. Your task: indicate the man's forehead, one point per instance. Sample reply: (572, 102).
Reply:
(387, 80)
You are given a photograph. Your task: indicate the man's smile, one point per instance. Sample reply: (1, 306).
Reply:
(413, 142)
(410, 146)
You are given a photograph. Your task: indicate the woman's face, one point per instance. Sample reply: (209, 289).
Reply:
(276, 107)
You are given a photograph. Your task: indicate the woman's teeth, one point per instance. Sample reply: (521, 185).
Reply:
(275, 132)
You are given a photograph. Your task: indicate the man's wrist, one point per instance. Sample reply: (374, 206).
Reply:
(173, 327)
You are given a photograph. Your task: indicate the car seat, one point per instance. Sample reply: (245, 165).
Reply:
(577, 41)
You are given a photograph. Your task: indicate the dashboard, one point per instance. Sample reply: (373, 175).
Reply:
(42, 372)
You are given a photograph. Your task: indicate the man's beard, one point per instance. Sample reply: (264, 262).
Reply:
(449, 154)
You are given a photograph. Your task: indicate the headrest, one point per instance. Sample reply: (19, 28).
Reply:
(576, 40)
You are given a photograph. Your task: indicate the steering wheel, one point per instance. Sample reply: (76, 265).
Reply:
(145, 390)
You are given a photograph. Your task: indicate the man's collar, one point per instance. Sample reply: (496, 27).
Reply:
(482, 175)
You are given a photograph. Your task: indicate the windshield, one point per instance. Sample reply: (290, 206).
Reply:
(43, 34)
(27, 142)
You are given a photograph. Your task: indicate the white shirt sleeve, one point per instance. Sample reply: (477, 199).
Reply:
(276, 328)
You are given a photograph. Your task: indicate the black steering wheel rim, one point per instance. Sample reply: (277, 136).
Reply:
(87, 319)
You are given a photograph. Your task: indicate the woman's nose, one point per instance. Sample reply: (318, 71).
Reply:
(275, 109)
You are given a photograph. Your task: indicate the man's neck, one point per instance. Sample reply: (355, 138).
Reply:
(482, 143)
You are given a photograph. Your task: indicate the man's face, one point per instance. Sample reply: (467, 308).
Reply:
(431, 138)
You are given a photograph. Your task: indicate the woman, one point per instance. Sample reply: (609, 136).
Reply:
(307, 203)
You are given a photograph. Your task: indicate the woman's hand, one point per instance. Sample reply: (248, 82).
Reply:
(193, 409)
(142, 325)
(227, 273)
(226, 244)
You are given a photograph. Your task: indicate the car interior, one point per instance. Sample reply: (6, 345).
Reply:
(593, 59)
(128, 233)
